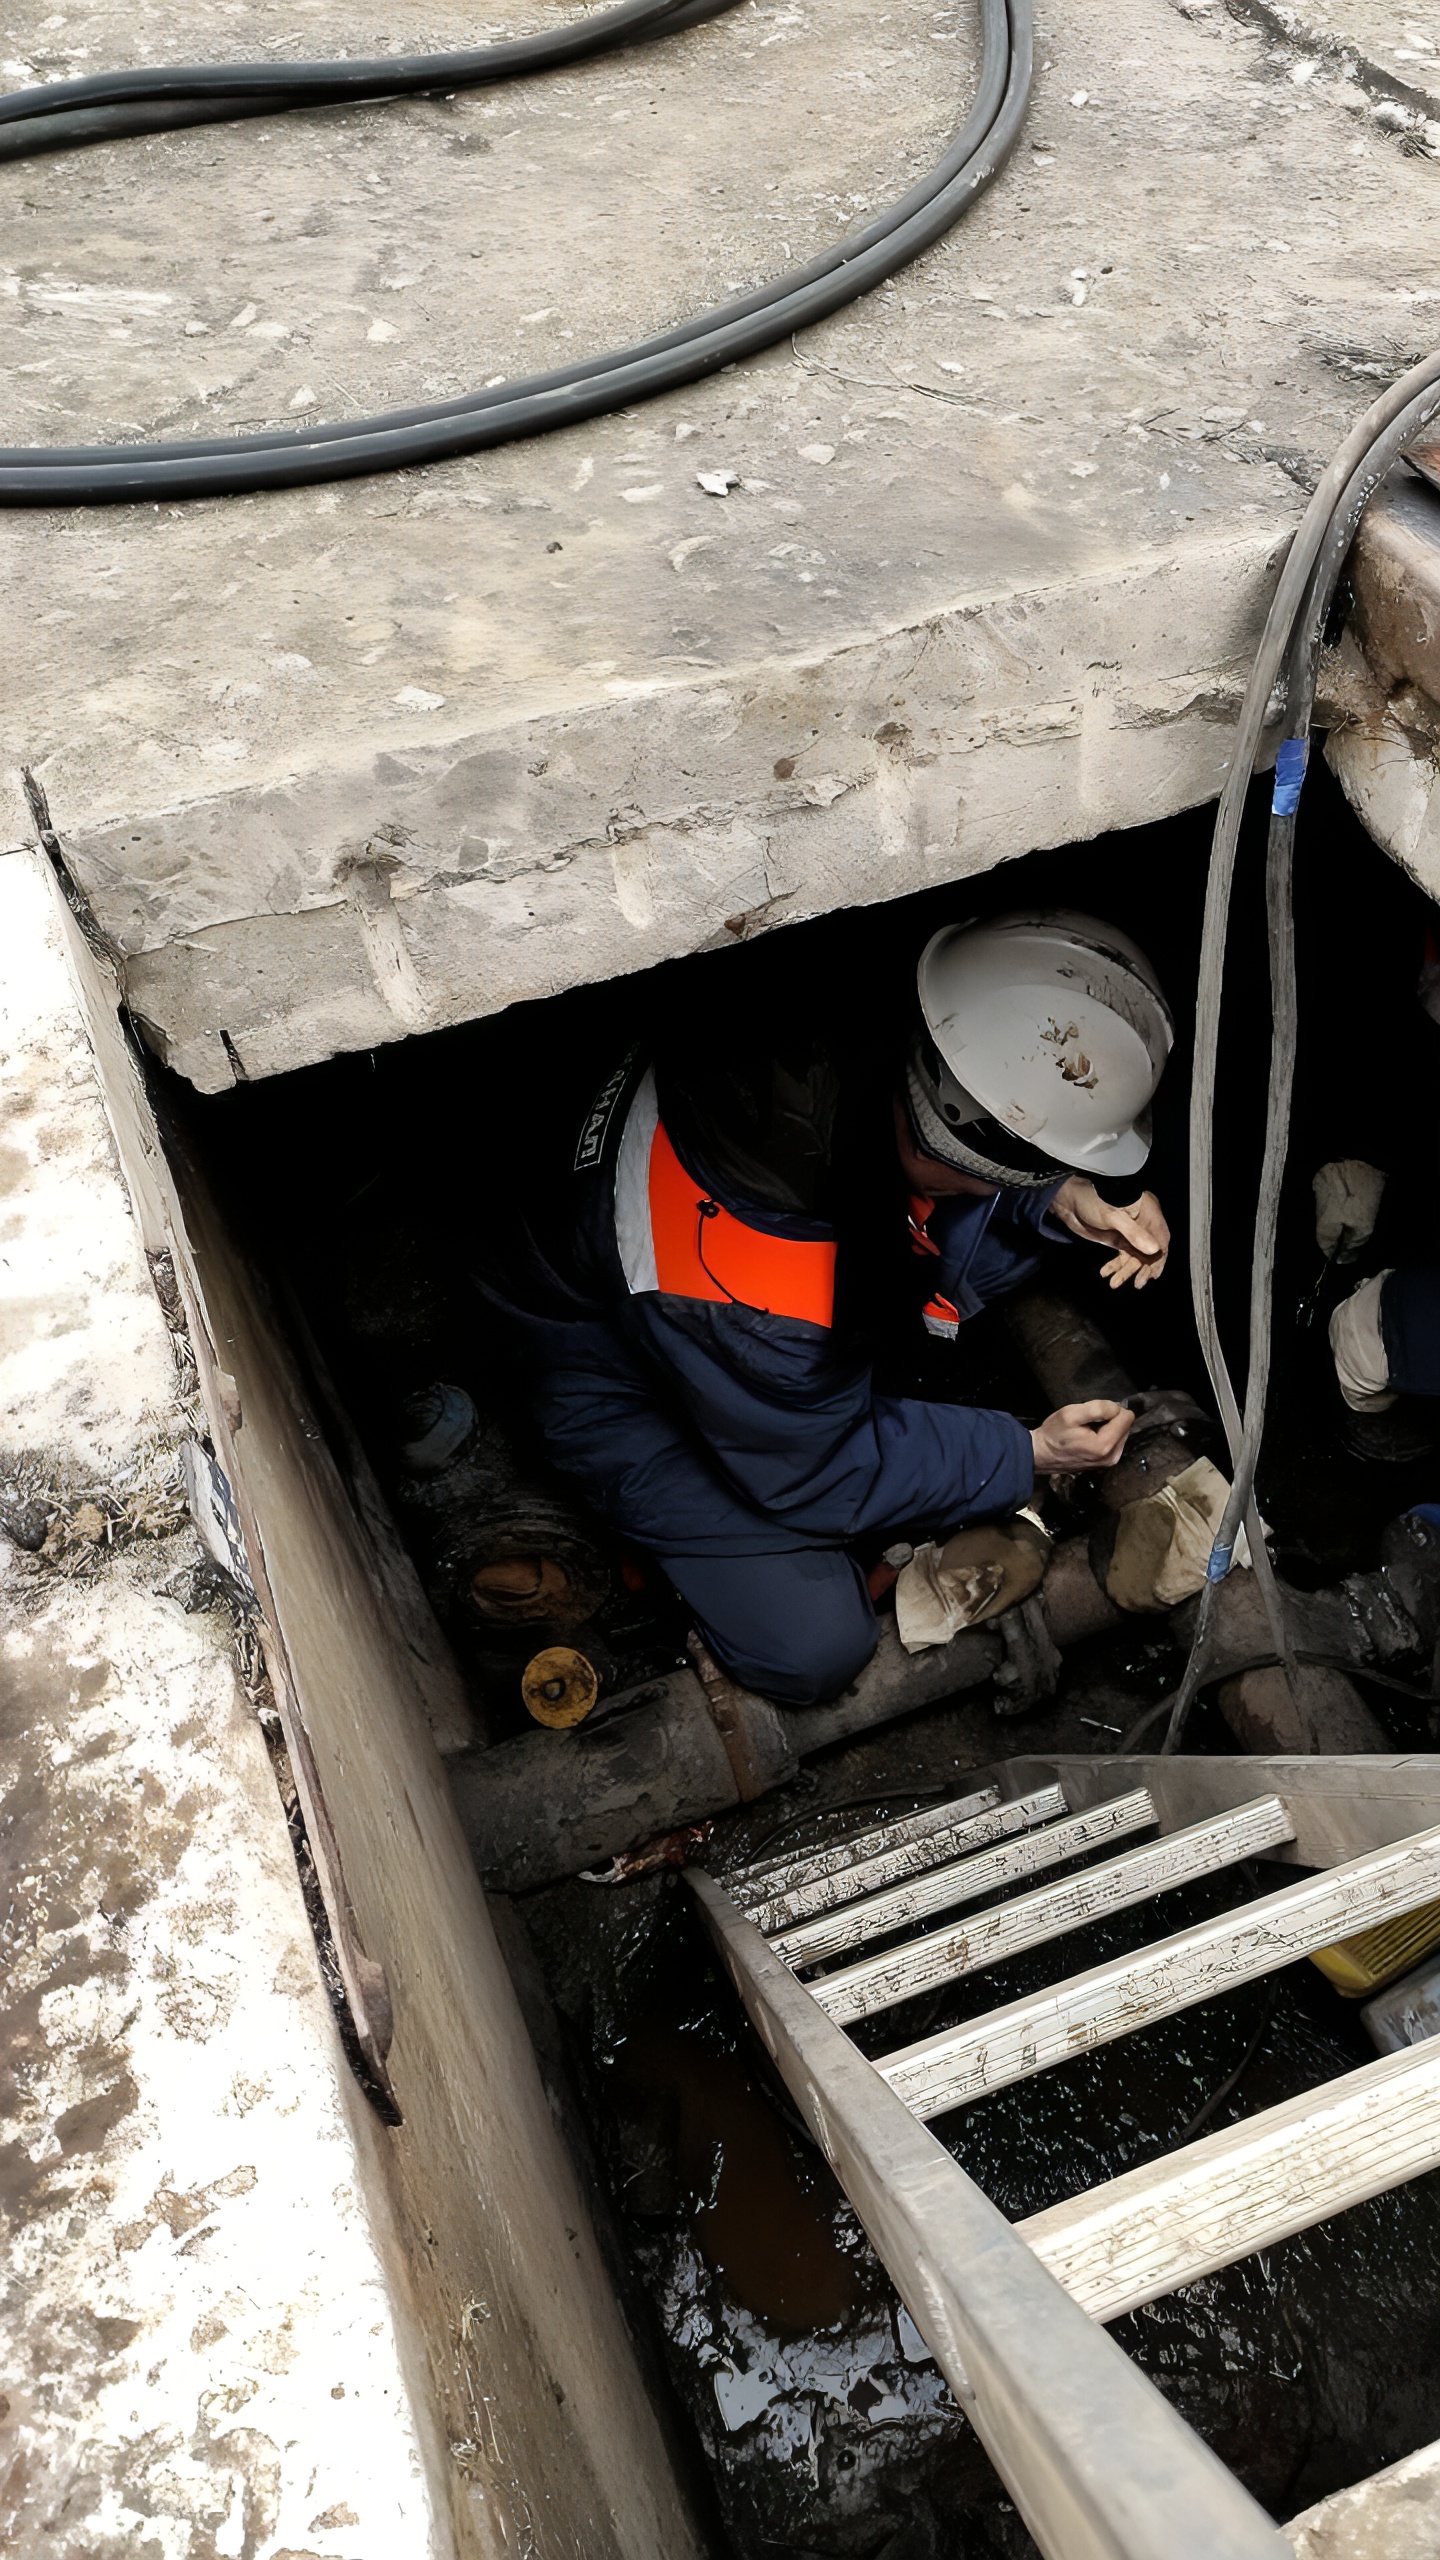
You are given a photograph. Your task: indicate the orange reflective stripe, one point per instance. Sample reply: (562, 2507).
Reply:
(701, 1251)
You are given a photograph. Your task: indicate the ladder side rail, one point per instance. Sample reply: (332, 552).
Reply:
(1173, 2220)
(1097, 2462)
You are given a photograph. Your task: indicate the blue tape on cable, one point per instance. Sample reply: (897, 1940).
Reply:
(1290, 766)
(1220, 1562)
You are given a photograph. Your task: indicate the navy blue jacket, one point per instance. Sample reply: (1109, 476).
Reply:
(707, 1427)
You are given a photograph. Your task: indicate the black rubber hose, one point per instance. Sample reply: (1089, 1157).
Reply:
(295, 456)
(264, 88)
(1232, 2080)
(995, 74)
(1289, 652)
(111, 106)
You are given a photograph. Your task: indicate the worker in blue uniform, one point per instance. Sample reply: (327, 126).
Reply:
(712, 1394)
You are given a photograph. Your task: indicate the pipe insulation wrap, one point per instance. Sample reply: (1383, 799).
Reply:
(65, 113)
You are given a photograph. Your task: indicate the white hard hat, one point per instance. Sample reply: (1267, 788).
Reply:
(1047, 1036)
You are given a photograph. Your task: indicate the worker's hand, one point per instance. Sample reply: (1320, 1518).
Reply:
(1138, 1238)
(1347, 1204)
(1081, 1435)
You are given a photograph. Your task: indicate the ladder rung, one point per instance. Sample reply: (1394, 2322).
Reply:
(842, 1877)
(966, 1881)
(961, 2063)
(900, 1973)
(750, 1885)
(1176, 2219)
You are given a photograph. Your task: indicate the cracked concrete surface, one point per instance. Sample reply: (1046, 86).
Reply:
(1394, 2516)
(336, 766)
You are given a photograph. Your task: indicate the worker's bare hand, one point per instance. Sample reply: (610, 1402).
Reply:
(1138, 1238)
(1081, 1435)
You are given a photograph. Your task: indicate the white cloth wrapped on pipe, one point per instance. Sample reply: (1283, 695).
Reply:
(975, 1575)
(1361, 1363)
(1162, 1545)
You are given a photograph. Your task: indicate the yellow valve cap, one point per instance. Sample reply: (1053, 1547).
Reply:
(1365, 1963)
(559, 1686)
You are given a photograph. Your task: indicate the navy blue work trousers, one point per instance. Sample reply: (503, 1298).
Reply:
(796, 1626)
(1410, 1328)
(784, 1616)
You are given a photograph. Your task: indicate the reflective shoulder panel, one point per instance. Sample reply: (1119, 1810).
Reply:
(591, 1145)
(942, 1318)
(672, 1237)
(632, 1190)
(700, 1250)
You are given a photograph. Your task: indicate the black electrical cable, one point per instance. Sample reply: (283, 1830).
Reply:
(105, 105)
(705, 1209)
(1231, 2082)
(1166, 1706)
(68, 112)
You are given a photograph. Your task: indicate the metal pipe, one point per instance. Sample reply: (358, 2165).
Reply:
(548, 1805)
(1069, 1355)
(1072, 1361)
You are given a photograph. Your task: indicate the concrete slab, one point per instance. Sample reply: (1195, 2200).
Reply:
(88, 1370)
(1394, 54)
(1394, 2516)
(197, 2323)
(336, 766)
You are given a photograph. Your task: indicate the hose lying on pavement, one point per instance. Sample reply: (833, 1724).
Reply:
(1288, 658)
(64, 113)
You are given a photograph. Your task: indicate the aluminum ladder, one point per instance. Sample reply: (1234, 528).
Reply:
(1097, 2462)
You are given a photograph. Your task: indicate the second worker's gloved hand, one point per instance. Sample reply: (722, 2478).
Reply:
(1347, 1203)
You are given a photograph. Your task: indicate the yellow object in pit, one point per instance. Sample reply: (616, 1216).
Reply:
(559, 1687)
(1365, 1963)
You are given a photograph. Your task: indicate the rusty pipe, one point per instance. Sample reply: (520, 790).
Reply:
(1072, 1361)
(546, 1805)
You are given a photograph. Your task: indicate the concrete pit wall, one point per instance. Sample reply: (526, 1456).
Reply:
(246, 2313)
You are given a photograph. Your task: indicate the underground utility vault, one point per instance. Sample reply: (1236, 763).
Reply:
(392, 2162)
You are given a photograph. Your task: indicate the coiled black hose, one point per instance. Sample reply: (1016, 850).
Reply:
(62, 114)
